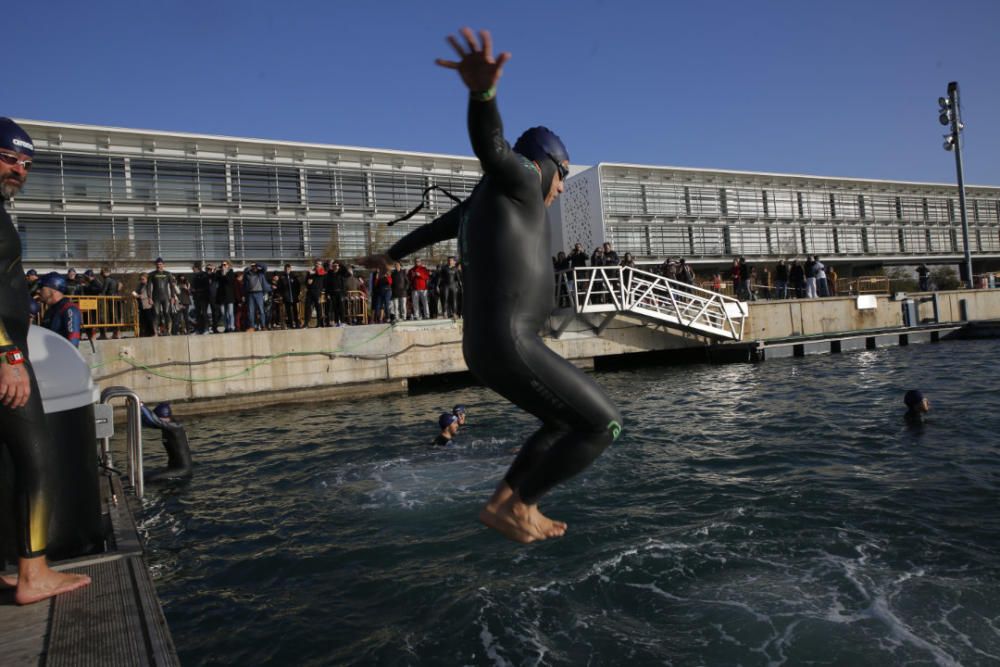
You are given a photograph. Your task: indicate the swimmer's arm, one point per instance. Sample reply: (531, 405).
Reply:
(440, 229)
(480, 72)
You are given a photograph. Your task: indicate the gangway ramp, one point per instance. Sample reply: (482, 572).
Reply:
(677, 305)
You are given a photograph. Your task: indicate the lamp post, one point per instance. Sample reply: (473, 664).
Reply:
(950, 115)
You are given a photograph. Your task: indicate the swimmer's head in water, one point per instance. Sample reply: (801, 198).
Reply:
(446, 419)
(916, 401)
(459, 412)
(542, 146)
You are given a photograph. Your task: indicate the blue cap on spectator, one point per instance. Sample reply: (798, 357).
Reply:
(158, 260)
(68, 271)
(163, 410)
(89, 273)
(446, 419)
(53, 281)
(14, 138)
(31, 272)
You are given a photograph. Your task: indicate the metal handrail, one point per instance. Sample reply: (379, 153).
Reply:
(133, 435)
(598, 289)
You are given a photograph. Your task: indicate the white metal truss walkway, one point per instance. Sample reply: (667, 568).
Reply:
(619, 289)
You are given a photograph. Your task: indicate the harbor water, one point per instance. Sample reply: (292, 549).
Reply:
(750, 514)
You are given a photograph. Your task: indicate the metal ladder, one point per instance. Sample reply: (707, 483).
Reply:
(133, 433)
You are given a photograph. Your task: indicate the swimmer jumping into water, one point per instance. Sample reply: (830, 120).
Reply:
(503, 223)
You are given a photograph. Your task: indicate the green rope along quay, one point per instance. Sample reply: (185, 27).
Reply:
(340, 352)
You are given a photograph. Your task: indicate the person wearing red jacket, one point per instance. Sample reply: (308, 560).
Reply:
(419, 276)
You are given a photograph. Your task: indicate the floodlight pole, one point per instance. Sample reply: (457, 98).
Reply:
(956, 127)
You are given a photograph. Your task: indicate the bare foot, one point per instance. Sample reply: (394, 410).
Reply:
(516, 520)
(37, 581)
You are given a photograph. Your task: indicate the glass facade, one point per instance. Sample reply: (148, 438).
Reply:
(207, 200)
(648, 212)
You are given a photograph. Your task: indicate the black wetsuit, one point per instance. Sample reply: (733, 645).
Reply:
(503, 224)
(441, 441)
(24, 431)
(175, 443)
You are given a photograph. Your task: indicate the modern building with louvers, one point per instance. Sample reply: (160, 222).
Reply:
(704, 214)
(108, 196)
(120, 197)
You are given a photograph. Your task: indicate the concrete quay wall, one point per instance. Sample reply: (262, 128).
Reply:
(230, 371)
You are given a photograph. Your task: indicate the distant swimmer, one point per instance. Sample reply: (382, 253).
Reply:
(174, 441)
(449, 427)
(503, 224)
(917, 406)
(459, 412)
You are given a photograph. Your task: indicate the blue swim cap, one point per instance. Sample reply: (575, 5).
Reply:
(458, 410)
(541, 142)
(13, 138)
(913, 398)
(53, 281)
(446, 419)
(163, 410)
(31, 272)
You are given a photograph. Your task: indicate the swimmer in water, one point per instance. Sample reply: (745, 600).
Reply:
(449, 427)
(503, 224)
(459, 412)
(917, 406)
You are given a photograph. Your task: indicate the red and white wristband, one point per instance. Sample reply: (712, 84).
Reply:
(13, 357)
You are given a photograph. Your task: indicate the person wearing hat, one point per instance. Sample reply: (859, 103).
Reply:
(503, 223)
(175, 442)
(23, 426)
(32, 277)
(449, 427)
(459, 412)
(61, 315)
(917, 406)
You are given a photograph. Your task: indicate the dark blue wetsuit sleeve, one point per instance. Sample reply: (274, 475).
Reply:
(440, 229)
(495, 155)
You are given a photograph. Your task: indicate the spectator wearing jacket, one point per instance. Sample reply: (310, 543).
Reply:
(380, 288)
(227, 295)
(315, 284)
(400, 288)
(289, 287)
(419, 278)
(338, 283)
(144, 304)
(255, 286)
(200, 280)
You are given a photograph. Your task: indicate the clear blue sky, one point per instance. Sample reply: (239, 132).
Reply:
(841, 88)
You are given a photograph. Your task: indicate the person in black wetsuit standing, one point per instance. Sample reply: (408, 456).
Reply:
(23, 428)
(503, 223)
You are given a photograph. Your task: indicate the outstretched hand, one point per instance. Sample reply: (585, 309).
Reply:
(477, 67)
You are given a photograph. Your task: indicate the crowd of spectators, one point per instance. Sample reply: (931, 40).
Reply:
(223, 298)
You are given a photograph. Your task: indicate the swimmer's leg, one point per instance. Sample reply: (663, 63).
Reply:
(26, 435)
(517, 520)
(506, 512)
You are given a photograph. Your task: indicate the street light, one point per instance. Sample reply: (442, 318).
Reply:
(949, 114)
